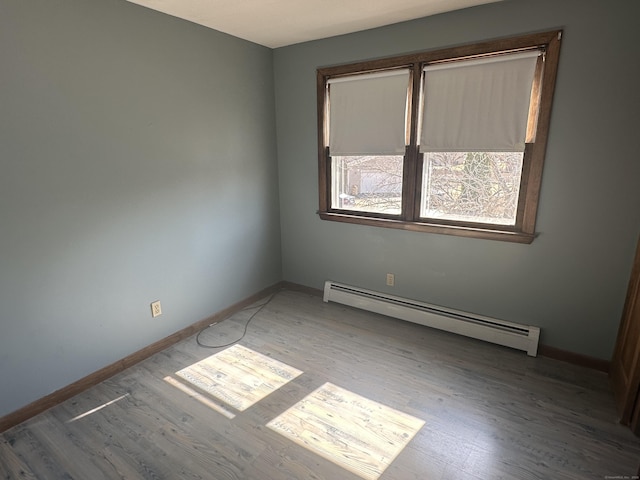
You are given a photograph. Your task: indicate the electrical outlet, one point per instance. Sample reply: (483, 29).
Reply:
(156, 308)
(391, 279)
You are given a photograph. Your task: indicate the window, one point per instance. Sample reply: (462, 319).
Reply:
(449, 141)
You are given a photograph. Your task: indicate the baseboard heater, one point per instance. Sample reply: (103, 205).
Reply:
(521, 337)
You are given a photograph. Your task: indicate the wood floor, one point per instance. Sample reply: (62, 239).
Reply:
(346, 395)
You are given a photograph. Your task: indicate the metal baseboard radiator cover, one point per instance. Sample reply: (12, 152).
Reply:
(520, 337)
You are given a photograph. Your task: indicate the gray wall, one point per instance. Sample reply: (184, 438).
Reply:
(572, 280)
(137, 162)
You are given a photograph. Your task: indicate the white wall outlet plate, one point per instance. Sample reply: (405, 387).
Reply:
(156, 308)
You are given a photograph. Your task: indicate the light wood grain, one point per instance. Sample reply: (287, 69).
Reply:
(10, 465)
(488, 411)
(239, 376)
(361, 435)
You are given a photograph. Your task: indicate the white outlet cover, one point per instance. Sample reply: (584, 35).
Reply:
(156, 309)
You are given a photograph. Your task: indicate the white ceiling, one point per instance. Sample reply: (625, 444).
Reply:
(277, 23)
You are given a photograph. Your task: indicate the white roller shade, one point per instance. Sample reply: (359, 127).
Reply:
(479, 105)
(367, 113)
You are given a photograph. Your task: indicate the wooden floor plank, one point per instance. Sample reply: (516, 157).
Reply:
(11, 466)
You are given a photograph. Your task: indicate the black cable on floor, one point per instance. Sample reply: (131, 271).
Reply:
(246, 325)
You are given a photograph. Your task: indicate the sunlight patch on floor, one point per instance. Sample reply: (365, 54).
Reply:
(239, 376)
(356, 433)
(202, 398)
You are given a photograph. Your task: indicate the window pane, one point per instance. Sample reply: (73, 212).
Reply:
(471, 186)
(367, 183)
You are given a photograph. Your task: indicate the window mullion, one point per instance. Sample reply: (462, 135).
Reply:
(411, 172)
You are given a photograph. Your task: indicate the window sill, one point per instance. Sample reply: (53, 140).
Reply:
(457, 230)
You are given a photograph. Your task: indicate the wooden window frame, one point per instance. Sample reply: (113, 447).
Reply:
(538, 130)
